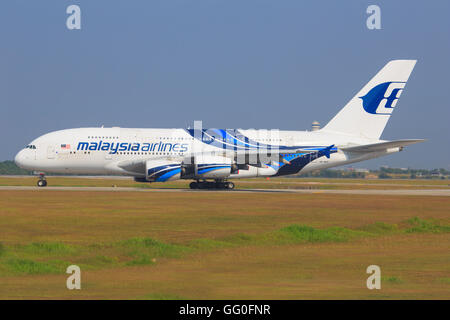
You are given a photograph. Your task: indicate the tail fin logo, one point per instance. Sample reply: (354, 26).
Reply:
(382, 98)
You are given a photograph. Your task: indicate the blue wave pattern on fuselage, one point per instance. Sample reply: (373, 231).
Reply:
(298, 161)
(233, 139)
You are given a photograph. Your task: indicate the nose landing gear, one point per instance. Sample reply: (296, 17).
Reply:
(218, 184)
(42, 182)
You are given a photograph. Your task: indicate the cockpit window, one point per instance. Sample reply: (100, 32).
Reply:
(30, 146)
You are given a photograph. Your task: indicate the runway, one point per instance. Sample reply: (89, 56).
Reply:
(386, 192)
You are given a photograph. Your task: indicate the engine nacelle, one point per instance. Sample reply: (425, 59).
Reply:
(207, 167)
(162, 170)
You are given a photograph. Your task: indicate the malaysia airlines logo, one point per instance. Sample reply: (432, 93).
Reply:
(114, 147)
(382, 98)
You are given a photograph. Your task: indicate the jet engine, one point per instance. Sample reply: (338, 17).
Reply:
(207, 167)
(162, 170)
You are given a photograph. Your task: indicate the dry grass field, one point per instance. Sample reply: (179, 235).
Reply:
(210, 245)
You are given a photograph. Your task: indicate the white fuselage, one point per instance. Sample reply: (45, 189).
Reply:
(103, 150)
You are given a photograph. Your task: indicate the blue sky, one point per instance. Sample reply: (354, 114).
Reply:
(232, 64)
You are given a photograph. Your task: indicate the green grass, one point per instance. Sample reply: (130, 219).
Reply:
(301, 233)
(27, 266)
(391, 280)
(34, 258)
(52, 248)
(210, 244)
(144, 251)
(381, 228)
(429, 226)
(153, 247)
(97, 262)
(292, 234)
(39, 257)
(444, 280)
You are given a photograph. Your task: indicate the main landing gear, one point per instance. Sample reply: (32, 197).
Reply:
(42, 182)
(211, 185)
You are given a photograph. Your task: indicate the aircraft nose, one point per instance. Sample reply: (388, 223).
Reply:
(20, 159)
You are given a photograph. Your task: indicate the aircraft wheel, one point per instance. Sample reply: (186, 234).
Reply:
(42, 183)
(219, 185)
(193, 185)
(202, 185)
(230, 185)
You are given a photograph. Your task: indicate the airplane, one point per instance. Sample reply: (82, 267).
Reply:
(212, 157)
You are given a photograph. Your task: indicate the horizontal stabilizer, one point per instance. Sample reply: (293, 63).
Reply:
(381, 146)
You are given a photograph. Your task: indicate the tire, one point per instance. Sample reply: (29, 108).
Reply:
(230, 185)
(193, 185)
(219, 185)
(41, 183)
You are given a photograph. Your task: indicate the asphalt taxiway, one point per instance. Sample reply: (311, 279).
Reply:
(386, 192)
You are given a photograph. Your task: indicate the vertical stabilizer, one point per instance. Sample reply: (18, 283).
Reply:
(368, 112)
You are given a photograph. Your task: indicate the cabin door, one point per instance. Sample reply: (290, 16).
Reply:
(51, 152)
